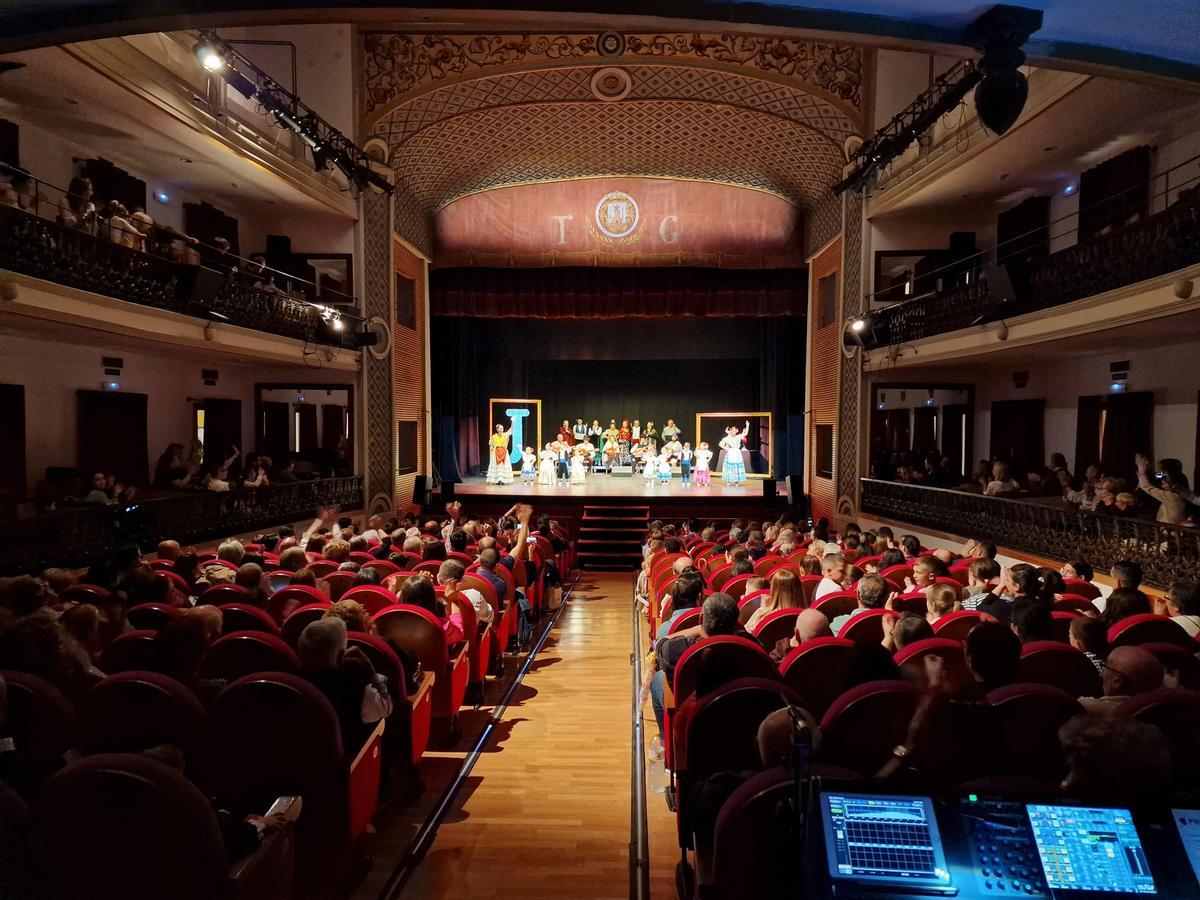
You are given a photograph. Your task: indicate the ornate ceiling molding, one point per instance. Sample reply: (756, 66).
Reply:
(395, 65)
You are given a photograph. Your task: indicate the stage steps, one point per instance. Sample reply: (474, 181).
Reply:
(610, 537)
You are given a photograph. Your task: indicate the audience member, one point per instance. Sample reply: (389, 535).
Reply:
(941, 600)
(1183, 605)
(346, 677)
(785, 594)
(809, 624)
(1122, 603)
(900, 631)
(833, 568)
(1128, 671)
(1090, 636)
(417, 590)
(873, 593)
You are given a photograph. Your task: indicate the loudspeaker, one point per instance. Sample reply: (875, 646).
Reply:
(447, 491)
(769, 491)
(198, 284)
(422, 491)
(279, 252)
(795, 489)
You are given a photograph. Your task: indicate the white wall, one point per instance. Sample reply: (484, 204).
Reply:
(314, 396)
(53, 372)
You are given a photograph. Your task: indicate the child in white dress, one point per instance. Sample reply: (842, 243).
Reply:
(648, 470)
(546, 468)
(528, 465)
(578, 472)
(664, 466)
(700, 467)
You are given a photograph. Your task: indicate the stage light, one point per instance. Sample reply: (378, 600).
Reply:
(337, 324)
(858, 325)
(210, 56)
(162, 196)
(1117, 387)
(1069, 190)
(240, 83)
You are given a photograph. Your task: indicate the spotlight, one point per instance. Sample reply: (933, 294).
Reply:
(210, 56)
(240, 83)
(858, 325)
(337, 324)
(1069, 190)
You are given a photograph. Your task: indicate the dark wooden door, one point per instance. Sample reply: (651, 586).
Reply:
(112, 435)
(273, 440)
(12, 447)
(1018, 433)
(924, 435)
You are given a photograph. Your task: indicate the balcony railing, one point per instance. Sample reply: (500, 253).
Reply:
(1165, 552)
(77, 537)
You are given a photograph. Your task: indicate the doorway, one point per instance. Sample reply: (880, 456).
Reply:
(909, 420)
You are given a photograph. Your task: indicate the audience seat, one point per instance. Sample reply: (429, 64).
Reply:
(1148, 628)
(865, 723)
(1081, 588)
(748, 606)
(1176, 713)
(322, 567)
(339, 583)
(914, 602)
(895, 575)
(85, 593)
(1075, 603)
(360, 556)
(717, 660)
(275, 734)
(782, 565)
(247, 653)
(765, 564)
(384, 567)
(428, 565)
(132, 711)
(160, 839)
(16, 879)
(1177, 659)
(284, 601)
(957, 575)
(371, 596)
(1059, 665)
(299, 619)
(40, 717)
(419, 632)
(839, 603)
(957, 625)
(220, 594)
(504, 623)
(407, 734)
(1060, 624)
(689, 619)
(817, 670)
(808, 587)
(176, 581)
(407, 561)
(244, 617)
(1030, 716)
(162, 565)
(133, 651)
(151, 616)
(717, 577)
(911, 660)
(736, 587)
(479, 641)
(867, 626)
(776, 625)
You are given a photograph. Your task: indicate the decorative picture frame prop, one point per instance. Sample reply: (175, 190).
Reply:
(710, 427)
(527, 422)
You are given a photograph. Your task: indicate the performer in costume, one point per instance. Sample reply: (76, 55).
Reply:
(565, 434)
(734, 469)
(664, 466)
(528, 465)
(635, 433)
(578, 472)
(671, 431)
(702, 456)
(650, 436)
(649, 469)
(546, 466)
(499, 468)
(685, 462)
(579, 431)
(562, 449)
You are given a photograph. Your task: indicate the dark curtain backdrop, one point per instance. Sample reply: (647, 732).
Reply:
(611, 293)
(1018, 433)
(112, 435)
(1119, 426)
(656, 369)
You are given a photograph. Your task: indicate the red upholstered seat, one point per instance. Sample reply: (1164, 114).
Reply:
(957, 625)
(1059, 665)
(717, 577)
(299, 619)
(911, 660)
(339, 583)
(1029, 718)
(383, 566)
(220, 594)
(689, 619)
(808, 587)
(162, 565)
(407, 734)
(736, 587)
(428, 565)
(766, 564)
(782, 565)
(749, 606)
(867, 626)
(774, 626)
(323, 567)
(479, 641)
(958, 575)
(360, 556)
(151, 616)
(817, 670)
(1176, 713)
(716, 660)
(862, 726)
(1060, 624)
(247, 653)
(504, 624)
(160, 840)
(914, 602)
(130, 652)
(1081, 588)
(274, 733)
(132, 711)
(839, 603)
(281, 603)
(1148, 628)
(1075, 603)
(176, 581)
(40, 717)
(419, 632)
(372, 596)
(244, 617)
(85, 593)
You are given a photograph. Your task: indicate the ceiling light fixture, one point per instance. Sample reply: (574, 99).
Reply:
(210, 55)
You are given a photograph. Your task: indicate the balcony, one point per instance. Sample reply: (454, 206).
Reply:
(76, 537)
(1165, 552)
(1165, 242)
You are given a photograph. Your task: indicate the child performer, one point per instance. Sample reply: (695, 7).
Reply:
(547, 466)
(702, 457)
(685, 463)
(648, 470)
(664, 466)
(734, 470)
(528, 465)
(578, 472)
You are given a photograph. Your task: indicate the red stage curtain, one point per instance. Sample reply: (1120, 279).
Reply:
(613, 293)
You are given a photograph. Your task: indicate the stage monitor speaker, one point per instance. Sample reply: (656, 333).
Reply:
(769, 491)
(422, 491)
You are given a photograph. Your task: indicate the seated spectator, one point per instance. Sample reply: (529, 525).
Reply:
(251, 577)
(910, 545)
(941, 600)
(1114, 760)
(685, 596)
(1077, 569)
(1128, 671)
(434, 550)
(1126, 574)
(306, 577)
(450, 574)
(77, 209)
(346, 677)
(418, 591)
(1002, 481)
(983, 575)
(992, 652)
(363, 576)
(1183, 605)
(1090, 636)
(337, 551)
(168, 550)
(1172, 504)
(255, 474)
(873, 593)
(181, 643)
(1031, 620)
(899, 632)
(293, 559)
(231, 551)
(833, 568)
(785, 594)
(743, 566)
(809, 624)
(38, 645)
(926, 570)
(354, 614)
(1122, 603)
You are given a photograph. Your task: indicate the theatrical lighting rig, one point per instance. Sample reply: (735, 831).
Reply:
(1000, 91)
(329, 147)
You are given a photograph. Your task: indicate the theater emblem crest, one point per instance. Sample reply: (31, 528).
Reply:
(617, 216)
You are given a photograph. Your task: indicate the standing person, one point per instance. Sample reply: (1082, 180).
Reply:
(685, 462)
(664, 466)
(649, 467)
(528, 465)
(650, 436)
(579, 431)
(546, 466)
(734, 469)
(578, 472)
(670, 431)
(499, 468)
(635, 433)
(702, 458)
(564, 433)
(562, 449)
(625, 434)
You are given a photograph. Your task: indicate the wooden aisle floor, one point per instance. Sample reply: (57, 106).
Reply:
(545, 813)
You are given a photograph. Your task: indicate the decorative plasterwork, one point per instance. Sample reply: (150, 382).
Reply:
(396, 64)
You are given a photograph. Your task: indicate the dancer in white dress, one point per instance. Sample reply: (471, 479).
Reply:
(734, 469)
(499, 468)
(700, 467)
(546, 473)
(528, 465)
(578, 472)
(664, 466)
(649, 469)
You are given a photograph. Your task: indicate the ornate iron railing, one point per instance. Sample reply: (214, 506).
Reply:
(76, 537)
(1165, 552)
(1163, 243)
(51, 251)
